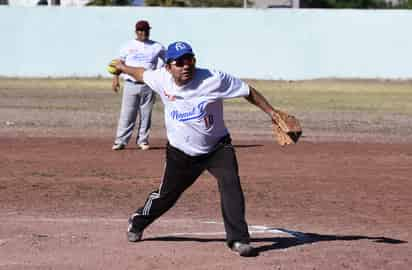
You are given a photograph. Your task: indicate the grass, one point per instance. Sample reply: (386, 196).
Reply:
(59, 94)
(339, 95)
(73, 84)
(370, 96)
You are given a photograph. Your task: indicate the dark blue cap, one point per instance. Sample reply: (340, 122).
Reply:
(177, 49)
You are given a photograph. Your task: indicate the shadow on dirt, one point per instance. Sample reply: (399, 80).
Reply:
(276, 243)
(134, 148)
(299, 238)
(247, 145)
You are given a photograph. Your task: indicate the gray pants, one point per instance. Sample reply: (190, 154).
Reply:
(137, 99)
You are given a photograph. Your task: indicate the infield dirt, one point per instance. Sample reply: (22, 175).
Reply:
(340, 199)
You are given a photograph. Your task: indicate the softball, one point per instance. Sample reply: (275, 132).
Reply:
(112, 69)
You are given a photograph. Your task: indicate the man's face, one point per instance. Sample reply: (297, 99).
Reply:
(182, 69)
(142, 34)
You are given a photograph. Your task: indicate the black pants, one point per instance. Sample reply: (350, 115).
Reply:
(182, 171)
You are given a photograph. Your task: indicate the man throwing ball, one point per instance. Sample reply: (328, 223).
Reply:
(198, 139)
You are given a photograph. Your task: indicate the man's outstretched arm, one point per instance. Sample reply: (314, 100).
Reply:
(261, 102)
(135, 72)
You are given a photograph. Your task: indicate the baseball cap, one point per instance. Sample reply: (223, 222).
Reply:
(177, 49)
(142, 25)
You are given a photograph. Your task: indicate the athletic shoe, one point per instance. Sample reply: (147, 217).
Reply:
(244, 250)
(144, 146)
(118, 146)
(133, 235)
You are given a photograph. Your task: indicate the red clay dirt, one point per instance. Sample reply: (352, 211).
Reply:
(315, 205)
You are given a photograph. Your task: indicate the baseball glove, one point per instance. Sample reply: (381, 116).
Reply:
(111, 68)
(286, 128)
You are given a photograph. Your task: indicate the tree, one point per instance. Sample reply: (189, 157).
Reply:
(195, 3)
(364, 4)
(109, 3)
(406, 4)
(166, 3)
(216, 3)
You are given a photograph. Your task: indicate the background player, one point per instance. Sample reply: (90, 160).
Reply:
(137, 98)
(197, 139)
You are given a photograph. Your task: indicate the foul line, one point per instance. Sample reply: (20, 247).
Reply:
(253, 229)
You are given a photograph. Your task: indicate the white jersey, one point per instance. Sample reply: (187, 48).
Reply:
(194, 112)
(144, 54)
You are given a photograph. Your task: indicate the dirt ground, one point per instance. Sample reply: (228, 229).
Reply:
(338, 200)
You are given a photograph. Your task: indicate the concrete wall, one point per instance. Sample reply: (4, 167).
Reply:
(249, 43)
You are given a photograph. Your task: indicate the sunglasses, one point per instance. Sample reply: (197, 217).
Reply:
(180, 62)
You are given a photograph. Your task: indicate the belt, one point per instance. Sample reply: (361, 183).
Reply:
(224, 141)
(133, 82)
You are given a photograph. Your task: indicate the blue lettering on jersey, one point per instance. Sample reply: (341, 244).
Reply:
(141, 57)
(195, 113)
